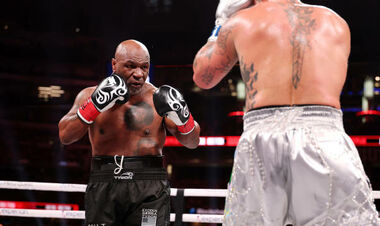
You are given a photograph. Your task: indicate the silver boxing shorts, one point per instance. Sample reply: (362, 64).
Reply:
(297, 165)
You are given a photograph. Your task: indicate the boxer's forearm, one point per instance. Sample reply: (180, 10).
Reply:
(190, 140)
(215, 59)
(204, 72)
(71, 129)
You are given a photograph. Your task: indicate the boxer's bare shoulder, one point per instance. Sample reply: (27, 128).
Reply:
(150, 87)
(86, 92)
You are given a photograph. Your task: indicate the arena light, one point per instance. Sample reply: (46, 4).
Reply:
(236, 113)
(232, 141)
(368, 87)
(240, 88)
(203, 141)
(37, 205)
(366, 141)
(49, 92)
(368, 113)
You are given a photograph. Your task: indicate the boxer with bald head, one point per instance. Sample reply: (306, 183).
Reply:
(294, 162)
(126, 119)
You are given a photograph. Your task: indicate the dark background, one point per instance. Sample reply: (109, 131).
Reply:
(70, 43)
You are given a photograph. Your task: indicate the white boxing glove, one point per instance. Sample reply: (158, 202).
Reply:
(228, 7)
(225, 10)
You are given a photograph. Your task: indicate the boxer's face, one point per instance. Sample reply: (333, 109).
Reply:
(133, 66)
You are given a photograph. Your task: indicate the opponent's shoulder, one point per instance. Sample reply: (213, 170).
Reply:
(329, 16)
(253, 14)
(235, 22)
(326, 12)
(242, 14)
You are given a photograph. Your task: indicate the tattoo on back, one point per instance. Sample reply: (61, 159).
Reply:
(138, 116)
(249, 76)
(301, 21)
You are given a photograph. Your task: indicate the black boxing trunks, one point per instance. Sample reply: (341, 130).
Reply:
(127, 191)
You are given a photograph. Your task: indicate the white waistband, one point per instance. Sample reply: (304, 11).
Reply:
(292, 115)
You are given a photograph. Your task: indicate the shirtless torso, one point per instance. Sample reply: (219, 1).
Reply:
(130, 129)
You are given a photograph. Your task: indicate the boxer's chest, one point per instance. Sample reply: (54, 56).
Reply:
(138, 116)
(128, 117)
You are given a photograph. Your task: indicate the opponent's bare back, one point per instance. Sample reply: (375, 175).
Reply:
(289, 54)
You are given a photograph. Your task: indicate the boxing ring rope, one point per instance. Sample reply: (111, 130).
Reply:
(79, 214)
(69, 214)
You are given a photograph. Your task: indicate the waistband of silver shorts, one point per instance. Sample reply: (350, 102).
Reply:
(317, 113)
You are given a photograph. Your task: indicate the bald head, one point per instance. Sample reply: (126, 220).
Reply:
(132, 62)
(131, 47)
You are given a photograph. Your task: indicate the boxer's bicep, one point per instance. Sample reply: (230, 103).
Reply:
(70, 127)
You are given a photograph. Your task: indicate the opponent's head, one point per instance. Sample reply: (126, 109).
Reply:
(132, 62)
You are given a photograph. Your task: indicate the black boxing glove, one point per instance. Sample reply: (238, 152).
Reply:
(110, 91)
(169, 102)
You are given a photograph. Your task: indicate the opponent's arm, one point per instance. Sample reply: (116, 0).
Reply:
(169, 103)
(217, 57)
(88, 105)
(214, 60)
